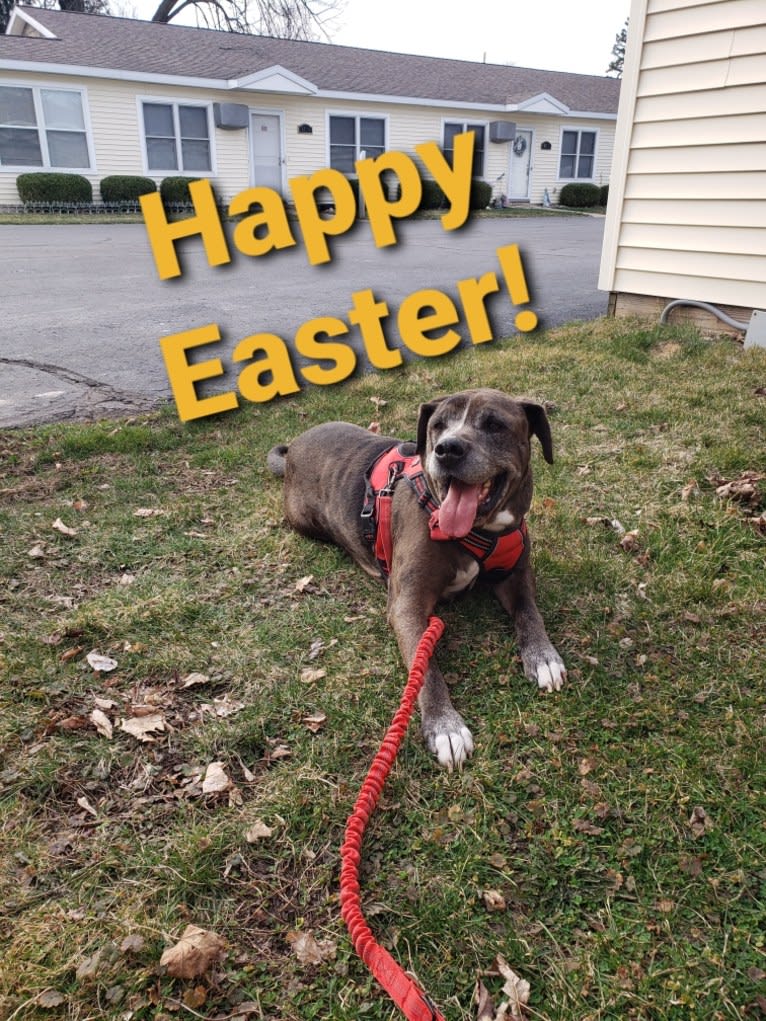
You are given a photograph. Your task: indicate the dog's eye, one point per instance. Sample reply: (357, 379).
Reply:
(437, 424)
(492, 424)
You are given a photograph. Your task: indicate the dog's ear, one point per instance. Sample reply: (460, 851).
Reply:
(426, 410)
(540, 427)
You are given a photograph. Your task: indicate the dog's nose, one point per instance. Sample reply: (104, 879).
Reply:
(449, 451)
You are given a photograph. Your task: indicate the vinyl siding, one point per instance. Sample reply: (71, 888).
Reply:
(115, 130)
(687, 215)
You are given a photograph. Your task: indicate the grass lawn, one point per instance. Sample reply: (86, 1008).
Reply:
(607, 842)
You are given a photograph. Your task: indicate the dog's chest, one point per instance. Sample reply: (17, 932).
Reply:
(465, 577)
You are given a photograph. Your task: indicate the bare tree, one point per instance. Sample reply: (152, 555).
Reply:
(284, 19)
(618, 51)
(83, 6)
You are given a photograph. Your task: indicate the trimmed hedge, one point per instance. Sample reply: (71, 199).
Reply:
(481, 194)
(54, 188)
(125, 188)
(580, 196)
(603, 195)
(175, 190)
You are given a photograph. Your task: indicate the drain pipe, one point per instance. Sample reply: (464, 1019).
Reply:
(735, 323)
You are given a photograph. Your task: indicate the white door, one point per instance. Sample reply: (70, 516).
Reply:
(521, 165)
(266, 150)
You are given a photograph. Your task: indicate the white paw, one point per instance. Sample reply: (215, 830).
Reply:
(551, 675)
(452, 748)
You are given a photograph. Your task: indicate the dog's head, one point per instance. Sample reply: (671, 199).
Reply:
(475, 451)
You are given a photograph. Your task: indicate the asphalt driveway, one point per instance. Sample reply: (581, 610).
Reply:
(83, 309)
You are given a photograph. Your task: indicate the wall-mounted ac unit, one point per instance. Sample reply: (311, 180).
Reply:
(230, 116)
(502, 131)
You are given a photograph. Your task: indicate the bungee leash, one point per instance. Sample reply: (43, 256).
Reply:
(411, 1000)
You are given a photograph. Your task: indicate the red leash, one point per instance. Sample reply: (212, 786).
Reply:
(402, 989)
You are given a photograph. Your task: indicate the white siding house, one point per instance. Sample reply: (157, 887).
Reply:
(99, 96)
(687, 203)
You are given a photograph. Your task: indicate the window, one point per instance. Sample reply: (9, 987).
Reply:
(578, 154)
(352, 136)
(451, 129)
(42, 128)
(177, 137)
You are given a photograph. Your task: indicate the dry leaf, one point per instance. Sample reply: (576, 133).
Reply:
(59, 525)
(132, 944)
(103, 664)
(303, 583)
(700, 822)
(689, 490)
(516, 989)
(493, 900)
(309, 675)
(86, 806)
(191, 679)
(127, 578)
(216, 779)
(315, 722)
(50, 998)
(37, 552)
(583, 826)
(142, 727)
(309, 950)
(148, 512)
(485, 1008)
(258, 831)
(88, 967)
(196, 951)
(223, 706)
(104, 703)
(101, 722)
(80, 505)
(629, 541)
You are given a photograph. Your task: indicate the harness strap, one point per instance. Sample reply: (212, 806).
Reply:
(497, 553)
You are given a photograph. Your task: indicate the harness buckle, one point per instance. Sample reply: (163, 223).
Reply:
(395, 470)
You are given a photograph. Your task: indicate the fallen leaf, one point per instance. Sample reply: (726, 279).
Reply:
(612, 523)
(196, 951)
(309, 950)
(629, 541)
(37, 552)
(132, 944)
(315, 722)
(148, 512)
(493, 900)
(584, 826)
(485, 1008)
(517, 989)
(101, 722)
(194, 678)
(71, 653)
(216, 779)
(80, 505)
(700, 822)
(50, 998)
(127, 579)
(86, 806)
(689, 490)
(303, 583)
(104, 703)
(142, 727)
(309, 675)
(223, 706)
(258, 831)
(59, 525)
(103, 664)
(88, 967)
(373, 427)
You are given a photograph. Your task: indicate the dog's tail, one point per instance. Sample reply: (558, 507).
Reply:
(276, 459)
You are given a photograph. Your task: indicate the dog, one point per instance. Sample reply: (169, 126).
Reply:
(464, 487)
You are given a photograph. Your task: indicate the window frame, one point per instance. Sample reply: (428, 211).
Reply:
(37, 88)
(175, 104)
(357, 118)
(469, 126)
(579, 131)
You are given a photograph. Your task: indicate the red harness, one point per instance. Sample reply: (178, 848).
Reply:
(497, 553)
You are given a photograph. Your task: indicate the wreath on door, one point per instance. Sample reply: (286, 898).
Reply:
(520, 145)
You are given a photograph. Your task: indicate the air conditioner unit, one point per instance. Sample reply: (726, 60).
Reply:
(230, 116)
(502, 131)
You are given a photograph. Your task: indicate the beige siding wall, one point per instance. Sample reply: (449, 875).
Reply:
(113, 110)
(687, 215)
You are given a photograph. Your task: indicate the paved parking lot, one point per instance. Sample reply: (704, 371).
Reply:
(83, 309)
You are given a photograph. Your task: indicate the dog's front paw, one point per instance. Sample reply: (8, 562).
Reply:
(450, 741)
(547, 669)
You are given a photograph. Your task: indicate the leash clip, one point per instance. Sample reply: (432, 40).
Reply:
(395, 470)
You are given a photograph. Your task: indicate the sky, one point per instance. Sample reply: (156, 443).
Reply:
(557, 35)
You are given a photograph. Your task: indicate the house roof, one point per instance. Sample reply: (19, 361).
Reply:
(147, 48)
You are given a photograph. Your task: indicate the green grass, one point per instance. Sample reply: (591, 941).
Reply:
(621, 901)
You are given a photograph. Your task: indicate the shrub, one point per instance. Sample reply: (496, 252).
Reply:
(124, 188)
(481, 194)
(603, 194)
(174, 191)
(433, 196)
(579, 196)
(54, 188)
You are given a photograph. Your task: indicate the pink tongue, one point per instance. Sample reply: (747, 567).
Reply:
(458, 510)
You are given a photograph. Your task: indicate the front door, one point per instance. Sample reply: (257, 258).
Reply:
(266, 150)
(521, 166)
